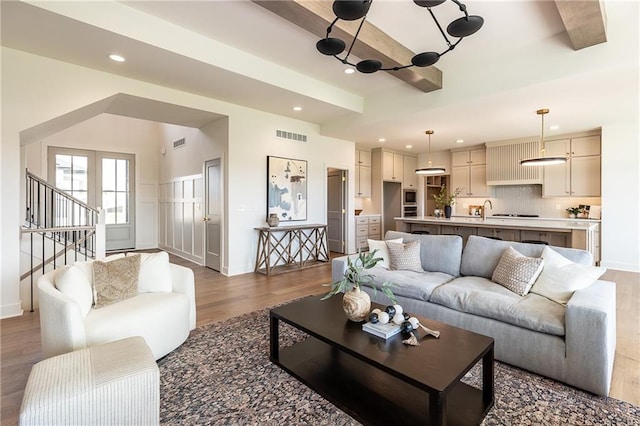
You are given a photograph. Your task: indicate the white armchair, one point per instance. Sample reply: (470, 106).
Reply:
(164, 318)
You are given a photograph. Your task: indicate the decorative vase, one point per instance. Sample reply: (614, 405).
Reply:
(447, 212)
(572, 215)
(437, 213)
(356, 304)
(273, 220)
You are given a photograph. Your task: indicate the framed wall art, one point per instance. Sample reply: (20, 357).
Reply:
(287, 188)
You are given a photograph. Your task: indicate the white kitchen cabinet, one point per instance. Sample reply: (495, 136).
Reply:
(410, 179)
(469, 172)
(363, 158)
(363, 174)
(580, 175)
(367, 227)
(392, 166)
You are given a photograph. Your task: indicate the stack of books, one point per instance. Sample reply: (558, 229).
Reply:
(381, 330)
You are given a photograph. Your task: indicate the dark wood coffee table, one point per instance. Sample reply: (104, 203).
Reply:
(379, 381)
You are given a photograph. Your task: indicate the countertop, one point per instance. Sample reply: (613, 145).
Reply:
(559, 224)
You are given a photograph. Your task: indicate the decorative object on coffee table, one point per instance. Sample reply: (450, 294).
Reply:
(357, 303)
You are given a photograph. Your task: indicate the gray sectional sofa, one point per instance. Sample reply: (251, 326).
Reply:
(574, 344)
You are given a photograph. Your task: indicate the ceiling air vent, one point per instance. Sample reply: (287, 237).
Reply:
(179, 143)
(282, 134)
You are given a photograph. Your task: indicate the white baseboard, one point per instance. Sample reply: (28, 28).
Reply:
(9, 311)
(629, 267)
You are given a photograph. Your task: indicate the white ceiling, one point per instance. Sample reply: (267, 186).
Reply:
(237, 51)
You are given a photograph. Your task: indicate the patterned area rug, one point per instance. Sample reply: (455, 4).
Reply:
(222, 375)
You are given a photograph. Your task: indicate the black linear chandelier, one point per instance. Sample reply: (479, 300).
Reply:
(351, 10)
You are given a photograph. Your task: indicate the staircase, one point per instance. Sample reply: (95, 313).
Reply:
(59, 230)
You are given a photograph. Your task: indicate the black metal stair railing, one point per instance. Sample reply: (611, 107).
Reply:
(59, 221)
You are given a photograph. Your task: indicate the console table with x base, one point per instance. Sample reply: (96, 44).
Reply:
(290, 248)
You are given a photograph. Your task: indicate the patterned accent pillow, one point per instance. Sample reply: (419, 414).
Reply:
(517, 272)
(405, 257)
(116, 280)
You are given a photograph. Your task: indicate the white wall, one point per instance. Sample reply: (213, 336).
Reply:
(182, 198)
(621, 196)
(247, 185)
(37, 89)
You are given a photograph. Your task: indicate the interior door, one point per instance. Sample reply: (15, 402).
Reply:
(213, 207)
(336, 211)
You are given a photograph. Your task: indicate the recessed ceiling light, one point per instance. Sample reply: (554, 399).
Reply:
(408, 146)
(297, 108)
(554, 127)
(116, 58)
(349, 71)
(459, 140)
(382, 140)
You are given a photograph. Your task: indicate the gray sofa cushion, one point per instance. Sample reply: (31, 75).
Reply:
(481, 255)
(483, 297)
(416, 285)
(438, 253)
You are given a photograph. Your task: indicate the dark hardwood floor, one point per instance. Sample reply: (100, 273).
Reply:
(219, 297)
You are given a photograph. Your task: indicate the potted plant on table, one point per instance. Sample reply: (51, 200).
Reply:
(443, 198)
(357, 303)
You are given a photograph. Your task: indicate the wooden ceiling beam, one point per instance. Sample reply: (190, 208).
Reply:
(584, 20)
(316, 16)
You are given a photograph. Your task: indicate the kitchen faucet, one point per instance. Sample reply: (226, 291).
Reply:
(484, 210)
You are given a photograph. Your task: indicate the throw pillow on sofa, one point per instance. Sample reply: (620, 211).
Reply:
(383, 250)
(516, 271)
(405, 257)
(116, 280)
(155, 272)
(74, 284)
(560, 277)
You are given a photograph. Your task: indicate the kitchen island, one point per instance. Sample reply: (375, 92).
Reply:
(576, 233)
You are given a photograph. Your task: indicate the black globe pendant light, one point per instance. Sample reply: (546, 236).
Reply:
(351, 10)
(368, 66)
(330, 46)
(466, 26)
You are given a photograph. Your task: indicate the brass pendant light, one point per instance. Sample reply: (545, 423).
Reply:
(542, 160)
(429, 170)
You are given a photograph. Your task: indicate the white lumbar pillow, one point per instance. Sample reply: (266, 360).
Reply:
(560, 277)
(383, 250)
(74, 284)
(155, 273)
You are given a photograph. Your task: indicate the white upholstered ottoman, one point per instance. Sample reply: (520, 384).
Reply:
(117, 383)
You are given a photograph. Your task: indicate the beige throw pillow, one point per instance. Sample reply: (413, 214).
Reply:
(516, 271)
(116, 280)
(560, 277)
(383, 250)
(405, 257)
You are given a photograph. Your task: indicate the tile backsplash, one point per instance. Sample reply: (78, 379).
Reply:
(524, 199)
